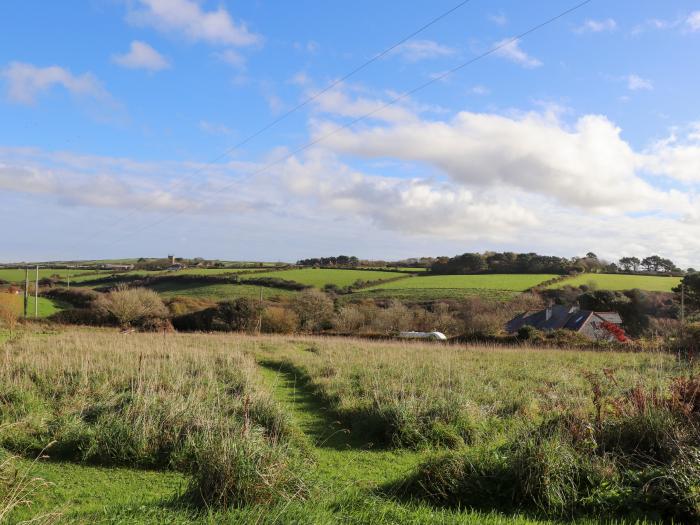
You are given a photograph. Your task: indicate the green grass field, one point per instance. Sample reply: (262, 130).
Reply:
(496, 286)
(16, 275)
(47, 306)
(599, 281)
(217, 292)
(320, 277)
(348, 475)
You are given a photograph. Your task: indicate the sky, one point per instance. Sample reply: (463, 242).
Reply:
(208, 129)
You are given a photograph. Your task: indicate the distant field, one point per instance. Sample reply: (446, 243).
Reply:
(651, 283)
(47, 307)
(16, 275)
(456, 286)
(217, 292)
(321, 277)
(191, 271)
(431, 294)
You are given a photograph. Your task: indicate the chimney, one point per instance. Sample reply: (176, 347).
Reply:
(172, 259)
(548, 313)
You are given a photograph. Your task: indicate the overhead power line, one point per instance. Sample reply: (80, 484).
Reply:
(296, 108)
(391, 102)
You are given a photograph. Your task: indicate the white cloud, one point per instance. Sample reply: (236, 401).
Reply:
(637, 83)
(417, 50)
(338, 102)
(142, 56)
(312, 47)
(676, 157)
(232, 58)
(27, 81)
(687, 23)
(214, 128)
(586, 165)
(188, 17)
(499, 18)
(693, 21)
(597, 26)
(480, 90)
(510, 50)
(521, 181)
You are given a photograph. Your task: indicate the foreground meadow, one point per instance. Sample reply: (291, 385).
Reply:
(276, 429)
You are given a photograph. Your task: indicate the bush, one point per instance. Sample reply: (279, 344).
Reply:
(10, 309)
(186, 305)
(132, 307)
(314, 309)
(241, 314)
(279, 320)
(77, 297)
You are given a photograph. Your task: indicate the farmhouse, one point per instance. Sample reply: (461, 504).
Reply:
(604, 326)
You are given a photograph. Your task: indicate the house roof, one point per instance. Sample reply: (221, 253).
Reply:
(557, 317)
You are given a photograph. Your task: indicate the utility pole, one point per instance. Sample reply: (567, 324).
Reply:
(36, 293)
(260, 315)
(68, 279)
(26, 290)
(682, 308)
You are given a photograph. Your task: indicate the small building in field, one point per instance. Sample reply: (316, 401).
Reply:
(597, 326)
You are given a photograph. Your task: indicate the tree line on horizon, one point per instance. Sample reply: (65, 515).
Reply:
(509, 262)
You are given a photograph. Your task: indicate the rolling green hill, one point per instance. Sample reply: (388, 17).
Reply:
(603, 281)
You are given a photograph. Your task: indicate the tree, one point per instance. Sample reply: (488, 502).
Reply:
(591, 255)
(630, 263)
(690, 285)
(632, 306)
(651, 263)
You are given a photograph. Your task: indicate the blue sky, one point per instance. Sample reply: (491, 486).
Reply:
(585, 135)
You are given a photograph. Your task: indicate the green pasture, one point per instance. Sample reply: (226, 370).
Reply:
(611, 281)
(508, 282)
(319, 277)
(16, 275)
(217, 292)
(500, 287)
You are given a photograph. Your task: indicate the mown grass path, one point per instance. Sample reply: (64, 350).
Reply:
(341, 456)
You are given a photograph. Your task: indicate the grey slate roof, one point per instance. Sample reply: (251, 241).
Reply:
(557, 317)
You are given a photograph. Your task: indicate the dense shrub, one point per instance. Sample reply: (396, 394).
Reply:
(77, 297)
(185, 305)
(132, 307)
(10, 309)
(314, 309)
(242, 314)
(279, 320)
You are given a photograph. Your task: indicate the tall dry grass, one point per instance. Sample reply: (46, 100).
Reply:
(414, 394)
(189, 403)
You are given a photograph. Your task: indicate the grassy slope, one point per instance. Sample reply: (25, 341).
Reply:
(321, 277)
(496, 286)
(217, 292)
(651, 283)
(17, 275)
(47, 306)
